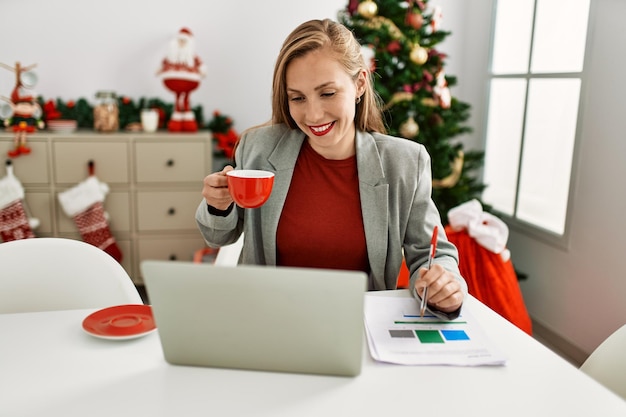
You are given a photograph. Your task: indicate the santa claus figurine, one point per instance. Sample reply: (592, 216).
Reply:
(182, 71)
(441, 90)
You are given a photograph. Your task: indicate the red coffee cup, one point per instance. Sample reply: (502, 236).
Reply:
(250, 188)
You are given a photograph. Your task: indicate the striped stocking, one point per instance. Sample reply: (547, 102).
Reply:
(84, 204)
(14, 223)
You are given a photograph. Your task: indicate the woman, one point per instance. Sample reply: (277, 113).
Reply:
(345, 196)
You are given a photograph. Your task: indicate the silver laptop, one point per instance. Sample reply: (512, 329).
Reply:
(258, 317)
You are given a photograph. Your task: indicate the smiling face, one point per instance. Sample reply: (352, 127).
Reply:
(321, 97)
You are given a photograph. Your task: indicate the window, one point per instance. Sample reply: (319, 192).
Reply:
(532, 119)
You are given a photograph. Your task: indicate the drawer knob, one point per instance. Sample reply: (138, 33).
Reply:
(171, 211)
(170, 163)
(173, 257)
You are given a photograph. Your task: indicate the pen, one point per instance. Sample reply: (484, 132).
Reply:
(431, 255)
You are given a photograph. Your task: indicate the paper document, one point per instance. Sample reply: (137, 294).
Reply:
(397, 334)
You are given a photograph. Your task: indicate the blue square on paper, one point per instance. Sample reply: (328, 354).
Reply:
(455, 335)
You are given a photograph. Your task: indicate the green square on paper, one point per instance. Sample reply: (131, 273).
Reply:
(429, 336)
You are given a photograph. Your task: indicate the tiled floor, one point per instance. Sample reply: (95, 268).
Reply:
(557, 351)
(564, 349)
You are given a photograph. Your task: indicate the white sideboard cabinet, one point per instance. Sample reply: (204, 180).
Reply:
(155, 182)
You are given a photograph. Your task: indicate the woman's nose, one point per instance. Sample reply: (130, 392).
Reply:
(314, 111)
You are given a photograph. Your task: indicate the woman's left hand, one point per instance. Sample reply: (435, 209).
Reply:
(444, 290)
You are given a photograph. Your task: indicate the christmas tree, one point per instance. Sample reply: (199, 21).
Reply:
(399, 39)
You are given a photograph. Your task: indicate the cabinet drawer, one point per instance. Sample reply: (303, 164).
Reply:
(31, 169)
(71, 161)
(171, 210)
(172, 249)
(170, 162)
(116, 204)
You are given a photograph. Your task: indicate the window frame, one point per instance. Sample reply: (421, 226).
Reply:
(563, 240)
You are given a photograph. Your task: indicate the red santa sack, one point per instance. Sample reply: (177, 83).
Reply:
(485, 263)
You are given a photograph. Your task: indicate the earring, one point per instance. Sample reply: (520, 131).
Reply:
(358, 100)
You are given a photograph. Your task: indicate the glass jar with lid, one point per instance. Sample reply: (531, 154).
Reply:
(106, 112)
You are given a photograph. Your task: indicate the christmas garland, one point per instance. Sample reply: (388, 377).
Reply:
(223, 133)
(129, 111)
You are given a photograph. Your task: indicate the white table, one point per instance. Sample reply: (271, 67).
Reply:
(50, 367)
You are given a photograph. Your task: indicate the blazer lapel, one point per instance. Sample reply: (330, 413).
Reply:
(283, 159)
(374, 191)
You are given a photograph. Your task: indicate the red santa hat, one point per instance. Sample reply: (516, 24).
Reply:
(185, 32)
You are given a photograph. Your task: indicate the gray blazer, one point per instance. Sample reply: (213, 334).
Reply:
(395, 189)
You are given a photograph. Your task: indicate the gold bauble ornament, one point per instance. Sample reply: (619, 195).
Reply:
(409, 129)
(419, 55)
(367, 9)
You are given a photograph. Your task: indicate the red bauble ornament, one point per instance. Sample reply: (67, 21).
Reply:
(353, 6)
(415, 20)
(394, 47)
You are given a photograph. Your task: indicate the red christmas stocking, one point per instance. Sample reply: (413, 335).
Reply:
(83, 203)
(14, 223)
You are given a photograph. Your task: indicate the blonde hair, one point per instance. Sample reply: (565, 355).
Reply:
(318, 34)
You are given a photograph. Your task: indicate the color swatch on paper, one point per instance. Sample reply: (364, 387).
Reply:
(455, 335)
(402, 333)
(429, 336)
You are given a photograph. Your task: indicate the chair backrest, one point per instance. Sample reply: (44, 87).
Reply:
(43, 274)
(229, 255)
(607, 363)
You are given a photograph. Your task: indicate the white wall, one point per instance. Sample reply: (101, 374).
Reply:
(83, 46)
(579, 293)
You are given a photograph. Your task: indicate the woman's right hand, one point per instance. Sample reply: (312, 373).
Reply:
(215, 189)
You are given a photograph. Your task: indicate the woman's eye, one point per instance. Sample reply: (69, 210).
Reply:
(329, 94)
(296, 99)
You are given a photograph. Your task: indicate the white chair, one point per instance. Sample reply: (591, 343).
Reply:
(44, 274)
(229, 255)
(607, 363)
